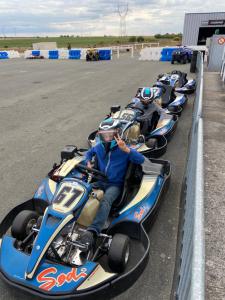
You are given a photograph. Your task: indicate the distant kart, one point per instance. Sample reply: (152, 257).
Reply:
(179, 81)
(151, 144)
(92, 55)
(35, 57)
(41, 251)
(182, 55)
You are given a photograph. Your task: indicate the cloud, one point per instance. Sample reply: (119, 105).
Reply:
(97, 17)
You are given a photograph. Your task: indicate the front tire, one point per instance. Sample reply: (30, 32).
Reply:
(23, 224)
(118, 254)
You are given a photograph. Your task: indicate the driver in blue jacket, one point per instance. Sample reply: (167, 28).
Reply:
(113, 157)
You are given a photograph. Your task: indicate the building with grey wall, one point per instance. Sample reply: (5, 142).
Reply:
(200, 26)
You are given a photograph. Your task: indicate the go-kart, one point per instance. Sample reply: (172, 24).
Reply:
(35, 57)
(92, 55)
(166, 97)
(40, 247)
(178, 80)
(151, 144)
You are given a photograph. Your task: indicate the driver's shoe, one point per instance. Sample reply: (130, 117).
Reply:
(87, 238)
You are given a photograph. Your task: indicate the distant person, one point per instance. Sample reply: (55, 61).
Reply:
(69, 46)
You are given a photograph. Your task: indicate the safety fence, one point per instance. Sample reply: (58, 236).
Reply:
(164, 53)
(9, 54)
(77, 54)
(222, 72)
(191, 268)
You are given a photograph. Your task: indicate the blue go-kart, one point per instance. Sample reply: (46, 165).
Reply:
(179, 81)
(40, 247)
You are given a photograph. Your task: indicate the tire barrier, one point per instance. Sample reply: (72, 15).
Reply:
(153, 53)
(53, 54)
(166, 54)
(9, 54)
(74, 54)
(104, 54)
(163, 54)
(4, 55)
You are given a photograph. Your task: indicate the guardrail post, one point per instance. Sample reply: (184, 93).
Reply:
(132, 52)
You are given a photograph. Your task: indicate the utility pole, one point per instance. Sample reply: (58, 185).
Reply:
(122, 11)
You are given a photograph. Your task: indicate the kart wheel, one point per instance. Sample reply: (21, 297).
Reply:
(151, 143)
(23, 224)
(118, 253)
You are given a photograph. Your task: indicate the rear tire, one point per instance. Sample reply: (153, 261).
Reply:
(23, 223)
(118, 253)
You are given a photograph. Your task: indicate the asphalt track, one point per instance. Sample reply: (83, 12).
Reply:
(45, 105)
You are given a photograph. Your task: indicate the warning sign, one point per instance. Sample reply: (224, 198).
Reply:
(221, 41)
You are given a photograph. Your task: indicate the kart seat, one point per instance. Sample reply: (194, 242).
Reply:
(133, 132)
(167, 96)
(131, 183)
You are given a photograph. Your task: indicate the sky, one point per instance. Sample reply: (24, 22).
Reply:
(97, 17)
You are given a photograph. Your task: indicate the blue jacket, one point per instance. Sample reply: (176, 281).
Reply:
(114, 164)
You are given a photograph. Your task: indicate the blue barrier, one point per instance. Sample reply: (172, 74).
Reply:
(74, 54)
(104, 54)
(53, 54)
(166, 54)
(36, 53)
(4, 55)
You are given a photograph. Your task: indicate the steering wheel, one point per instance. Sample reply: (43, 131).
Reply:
(131, 105)
(96, 173)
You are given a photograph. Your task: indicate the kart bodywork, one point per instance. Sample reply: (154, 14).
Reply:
(153, 144)
(179, 81)
(49, 262)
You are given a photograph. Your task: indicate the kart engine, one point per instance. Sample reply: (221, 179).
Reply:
(66, 248)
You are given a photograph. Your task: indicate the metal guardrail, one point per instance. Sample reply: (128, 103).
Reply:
(222, 72)
(191, 284)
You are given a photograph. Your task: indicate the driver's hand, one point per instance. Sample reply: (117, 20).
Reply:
(121, 144)
(89, 165)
